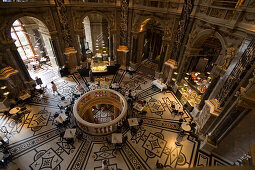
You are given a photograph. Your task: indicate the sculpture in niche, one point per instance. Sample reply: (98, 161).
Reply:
(167, 32)
(203, 117)
(229, 56)
(251, 82)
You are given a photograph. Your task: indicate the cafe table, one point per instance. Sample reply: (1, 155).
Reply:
(14, 110)
(61, 118)
(69, 133)
(117, 138)
(133, 122)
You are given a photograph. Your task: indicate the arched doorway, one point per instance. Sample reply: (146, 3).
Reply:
(96, 41)
(198, 78)
(33, 42)
(152, 40)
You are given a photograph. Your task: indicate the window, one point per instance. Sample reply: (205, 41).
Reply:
(22, 42)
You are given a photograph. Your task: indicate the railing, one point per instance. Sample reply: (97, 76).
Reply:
(102, 96)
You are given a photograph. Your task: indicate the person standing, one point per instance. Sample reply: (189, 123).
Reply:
(54, 88)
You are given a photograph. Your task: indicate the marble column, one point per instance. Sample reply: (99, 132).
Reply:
(56, 47)
(110, 51)
(134, 47)
(83, 50)
(140, 45)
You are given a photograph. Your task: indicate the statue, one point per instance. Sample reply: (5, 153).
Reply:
(229, 56)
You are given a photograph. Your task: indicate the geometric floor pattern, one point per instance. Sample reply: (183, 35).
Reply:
(36, 144)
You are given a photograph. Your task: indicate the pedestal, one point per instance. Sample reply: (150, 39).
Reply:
(208, 114)
(207, 146)
(158, 75)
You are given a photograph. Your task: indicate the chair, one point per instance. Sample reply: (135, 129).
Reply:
(125, 139)
(61, 135)
(70, 141)
(159, 165)
(7, 114)
(133, 131)
(56, 115)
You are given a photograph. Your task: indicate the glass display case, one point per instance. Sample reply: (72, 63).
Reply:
(189, 94)
(98, 65)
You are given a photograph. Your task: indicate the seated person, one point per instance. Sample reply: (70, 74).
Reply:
(38, 81)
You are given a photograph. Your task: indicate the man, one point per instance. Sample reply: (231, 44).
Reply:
(54, 88)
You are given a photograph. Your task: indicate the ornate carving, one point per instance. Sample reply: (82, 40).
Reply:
(217, 13)
(245, 60)
(228, 57)
(251, 4)
(123, 22)
(61, 10)
(182, 26)
(251, 82)
(203, 9)
(249, 18)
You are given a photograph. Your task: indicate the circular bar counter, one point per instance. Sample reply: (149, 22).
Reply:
(97, 97)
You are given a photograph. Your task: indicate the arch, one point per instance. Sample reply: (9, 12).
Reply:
(203, 35)
(143, 20)
(14, 18)
(110, 20)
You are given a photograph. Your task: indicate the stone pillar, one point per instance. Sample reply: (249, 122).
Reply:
(17, 62)
(206, 117)
(140, 45)
(172, 65)
(83, 50)
(57, 50)
(134, 47)
(111, 45)
(50, 52)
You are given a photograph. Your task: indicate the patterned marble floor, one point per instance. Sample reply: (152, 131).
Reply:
(35, 142)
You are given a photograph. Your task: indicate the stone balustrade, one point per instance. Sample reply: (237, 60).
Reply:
(93, 98)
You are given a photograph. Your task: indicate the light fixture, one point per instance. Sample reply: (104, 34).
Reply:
(208, 72)
(6, 93)
(173, 79)
(3, 87)
(209, 78)
(186, 78)
(198, 78)
(196, 74)
(187, 73)
(185, 85)
(175, 73)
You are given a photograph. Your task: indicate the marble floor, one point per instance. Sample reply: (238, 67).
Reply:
(35, 141)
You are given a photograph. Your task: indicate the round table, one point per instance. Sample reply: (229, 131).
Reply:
(14, 110)
(186, 126)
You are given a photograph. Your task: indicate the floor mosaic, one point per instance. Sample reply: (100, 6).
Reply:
(35, 141)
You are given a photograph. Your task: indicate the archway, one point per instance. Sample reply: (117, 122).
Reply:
(96, 40)
(205, 51)
(152, 40)
(33, 42)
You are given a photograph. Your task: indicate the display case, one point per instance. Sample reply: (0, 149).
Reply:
(98, 65)
(189, 94)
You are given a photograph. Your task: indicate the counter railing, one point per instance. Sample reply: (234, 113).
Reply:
(100, 96)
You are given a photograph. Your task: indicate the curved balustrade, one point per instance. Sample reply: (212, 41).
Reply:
(100, 96)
